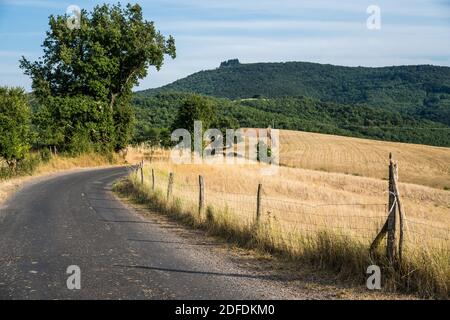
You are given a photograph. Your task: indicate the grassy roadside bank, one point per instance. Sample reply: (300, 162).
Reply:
(424, 273)
(53, 165)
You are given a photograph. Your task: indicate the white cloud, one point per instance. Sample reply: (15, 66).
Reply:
(210, 31)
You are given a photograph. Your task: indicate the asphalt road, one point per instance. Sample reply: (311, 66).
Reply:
(74, 219)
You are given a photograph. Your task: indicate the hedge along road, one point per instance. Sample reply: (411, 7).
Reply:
(74, 219)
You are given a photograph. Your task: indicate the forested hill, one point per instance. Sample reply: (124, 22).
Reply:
(421, 90)
(156, 114)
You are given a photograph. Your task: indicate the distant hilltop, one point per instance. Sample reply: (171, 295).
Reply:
(230, 63)
(416, 89)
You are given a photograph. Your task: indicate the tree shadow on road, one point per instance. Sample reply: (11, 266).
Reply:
(207, 273)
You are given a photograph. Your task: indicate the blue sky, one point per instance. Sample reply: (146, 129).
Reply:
(210, 31)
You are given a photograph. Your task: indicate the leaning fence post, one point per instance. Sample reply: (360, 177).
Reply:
(153, 179)
(389, 227)
(258, 203)
(169, 186)
(391, 223)
(201, 194)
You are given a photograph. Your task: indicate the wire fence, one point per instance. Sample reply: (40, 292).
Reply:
(360, 221)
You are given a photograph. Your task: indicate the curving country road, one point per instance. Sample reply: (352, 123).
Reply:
(74, 219)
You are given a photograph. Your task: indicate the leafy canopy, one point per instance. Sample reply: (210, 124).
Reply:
(196, 108)
(423, 90)
(95, 65)
(75, 124)
(14, 125)
(296, 113)
(104, 58)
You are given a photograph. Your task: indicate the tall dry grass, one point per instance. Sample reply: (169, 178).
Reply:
(61, 163)
(56, 164)
(325, 206)
(327, 219)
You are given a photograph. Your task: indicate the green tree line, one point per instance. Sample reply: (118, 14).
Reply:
(160, 111)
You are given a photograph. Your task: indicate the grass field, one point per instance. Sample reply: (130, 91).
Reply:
(326, 216)
(419, 164)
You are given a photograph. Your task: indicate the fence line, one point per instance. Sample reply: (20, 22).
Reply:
(363, 221)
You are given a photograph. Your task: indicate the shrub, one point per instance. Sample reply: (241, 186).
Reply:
(75, 124)
(45, 154)
(15, 124)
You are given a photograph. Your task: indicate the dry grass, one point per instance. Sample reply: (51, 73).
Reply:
(326, 218)
(425, 272)
(296, 194)
(425, 165)
(135, 154)
(56, 164)
(61, 163)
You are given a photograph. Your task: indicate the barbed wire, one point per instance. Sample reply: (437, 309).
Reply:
(322, 204)
(409, 221)
(292, 214)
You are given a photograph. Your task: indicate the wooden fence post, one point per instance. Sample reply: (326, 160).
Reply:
(142, 172)
(169, 186)
(389, 226)
(258, 203)
(201, 194)
(391, 222)
(153, 179)
(401, 214)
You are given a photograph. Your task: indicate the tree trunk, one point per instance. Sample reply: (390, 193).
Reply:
(113, 100)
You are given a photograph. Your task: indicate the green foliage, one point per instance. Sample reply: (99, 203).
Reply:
(196, 108)
(423, 91)
(436, 107)
(15, 123)
(123, 125)
(102, 60)
(298, 113)
(25, 166)
(45, 155)
(75, 124)
(157, 111)
(154, 137)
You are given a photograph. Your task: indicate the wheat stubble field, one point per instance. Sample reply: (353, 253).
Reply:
(419, 164)
(328, 202)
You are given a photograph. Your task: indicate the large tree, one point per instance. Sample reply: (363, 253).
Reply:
(104, 58)
(196, 108)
